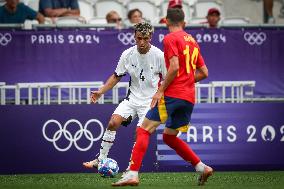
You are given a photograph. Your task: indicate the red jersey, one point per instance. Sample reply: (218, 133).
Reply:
(182, 45)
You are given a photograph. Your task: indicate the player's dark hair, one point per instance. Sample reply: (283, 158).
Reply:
(175, 15)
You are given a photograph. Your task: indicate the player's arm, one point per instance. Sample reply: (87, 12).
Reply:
(40, 18)
(110, 83)
(172, 73)
(72, 12)
(49, 12)
(201, 73)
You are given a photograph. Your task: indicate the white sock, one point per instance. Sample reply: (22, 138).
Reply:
(133, 173)
(106, 144)
(200, 167)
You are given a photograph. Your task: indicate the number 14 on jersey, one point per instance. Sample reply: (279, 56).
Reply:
(190, 58)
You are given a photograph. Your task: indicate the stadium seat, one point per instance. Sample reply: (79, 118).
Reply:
(156, 2)
(70, 20)
(102, 7)
(34, 4)
(201, 7)
(86, 9)
(187, 8)
(191, 2)
(2, 2)
(148, 8)
(97, 20)
(235, 20)
(197, 20)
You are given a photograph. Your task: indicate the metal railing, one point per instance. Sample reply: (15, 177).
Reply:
(51, 93)
(79, 92)
(237, 91)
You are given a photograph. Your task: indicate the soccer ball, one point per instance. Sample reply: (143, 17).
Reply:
(108, 168)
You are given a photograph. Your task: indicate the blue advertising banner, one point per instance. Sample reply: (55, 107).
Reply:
(53, 139)
(231, 136)
(56, 139)
(91, 55)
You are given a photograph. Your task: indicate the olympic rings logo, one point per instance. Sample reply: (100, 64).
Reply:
(126, 38)
(5, 39)
(255, 38)
(68, 136)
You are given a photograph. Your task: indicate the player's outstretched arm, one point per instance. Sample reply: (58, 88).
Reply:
(201, 73)
(110, 83)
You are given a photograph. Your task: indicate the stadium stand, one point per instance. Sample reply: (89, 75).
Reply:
(149, 9)
(70, 20)
(201, 7)
(235, 20)
(86, 9)
(34, 4)
(197, 20)
(232, 12)
(102, 7)
(97, 20)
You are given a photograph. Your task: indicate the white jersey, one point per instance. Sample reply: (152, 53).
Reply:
(144, 71)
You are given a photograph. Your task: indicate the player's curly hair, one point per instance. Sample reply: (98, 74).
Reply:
(144, 27)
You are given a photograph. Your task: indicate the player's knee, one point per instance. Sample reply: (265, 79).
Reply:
(113, 125)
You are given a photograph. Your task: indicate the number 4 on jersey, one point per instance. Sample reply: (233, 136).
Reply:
(190, 59)
(142, 76)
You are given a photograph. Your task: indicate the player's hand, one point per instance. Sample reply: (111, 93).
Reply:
(95, 95)
(156, 98)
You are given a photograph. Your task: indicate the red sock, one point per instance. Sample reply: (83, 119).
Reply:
(181, 148)
(139, 149)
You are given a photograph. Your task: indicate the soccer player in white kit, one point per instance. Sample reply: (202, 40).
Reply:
(145, 64)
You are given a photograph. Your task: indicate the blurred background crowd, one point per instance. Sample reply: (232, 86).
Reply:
(124, 13)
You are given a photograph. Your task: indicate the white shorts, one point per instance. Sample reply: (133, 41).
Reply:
(129, 110)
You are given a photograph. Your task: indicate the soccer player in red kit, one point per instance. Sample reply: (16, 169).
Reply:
(173, 102)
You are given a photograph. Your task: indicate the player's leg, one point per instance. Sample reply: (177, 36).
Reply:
(150, 123)
(141, 113)
(107, 140)
(139, 149)
(184, 150)
(109, 135)
(122, 115)
(179, 121)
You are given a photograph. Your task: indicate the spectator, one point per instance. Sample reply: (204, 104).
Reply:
(213, 18)
(268, 12)
(172, 4)
(113, 17)
(14, 12)
(58, 8)
(135, 16)
(282, 10)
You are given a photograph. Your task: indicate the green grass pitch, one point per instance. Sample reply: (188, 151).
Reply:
(231, 180)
